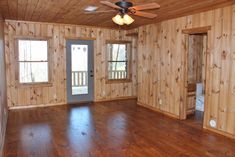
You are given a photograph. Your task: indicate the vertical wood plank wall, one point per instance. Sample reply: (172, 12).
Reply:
(3, 96)
(56, 94)
(161, 63)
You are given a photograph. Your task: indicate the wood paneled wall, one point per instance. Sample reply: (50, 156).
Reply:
(3, 96)
(56, 94)
(161, 66)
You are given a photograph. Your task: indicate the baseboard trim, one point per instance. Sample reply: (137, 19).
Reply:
(35, 106)
(60, 104)
(4, 137)
(211, 130)
(221, 133)
(170, 115)
(118, 98)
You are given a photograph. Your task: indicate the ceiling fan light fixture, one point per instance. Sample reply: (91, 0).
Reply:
(127, 19)
(126, 7)
(118, 20)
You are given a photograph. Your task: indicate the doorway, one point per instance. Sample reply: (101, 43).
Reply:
(196, 78)
(80, 67)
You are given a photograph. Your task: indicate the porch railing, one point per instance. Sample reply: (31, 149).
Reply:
(117, 74)
(79, 78)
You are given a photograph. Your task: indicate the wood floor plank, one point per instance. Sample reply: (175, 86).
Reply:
(117, 129)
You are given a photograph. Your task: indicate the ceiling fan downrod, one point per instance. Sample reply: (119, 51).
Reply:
(125, 6)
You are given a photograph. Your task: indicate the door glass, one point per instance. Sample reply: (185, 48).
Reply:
(79, 63)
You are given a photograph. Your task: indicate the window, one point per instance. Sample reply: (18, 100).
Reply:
(119, 53)
(33, 61)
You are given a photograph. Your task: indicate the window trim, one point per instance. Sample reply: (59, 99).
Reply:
(129, 62)
(17, 77)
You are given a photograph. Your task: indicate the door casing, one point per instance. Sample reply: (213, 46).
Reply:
(183, 105)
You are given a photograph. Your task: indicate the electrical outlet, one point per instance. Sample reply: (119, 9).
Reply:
(160, 101)
(213, 123)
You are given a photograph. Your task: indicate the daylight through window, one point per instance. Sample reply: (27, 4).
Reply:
(118, 61)
(33, 61)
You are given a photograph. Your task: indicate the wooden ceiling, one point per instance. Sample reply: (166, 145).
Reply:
(72, 11)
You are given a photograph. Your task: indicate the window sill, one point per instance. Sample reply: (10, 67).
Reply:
(118, 81)
(46, 84)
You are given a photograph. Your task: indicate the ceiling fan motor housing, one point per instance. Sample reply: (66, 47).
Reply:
(125, 5)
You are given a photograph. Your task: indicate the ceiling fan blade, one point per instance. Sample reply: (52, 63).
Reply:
(97, 12)
(145, 14)
(110, 4)
(146, 6)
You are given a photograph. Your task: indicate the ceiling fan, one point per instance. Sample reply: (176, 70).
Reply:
(126, 8)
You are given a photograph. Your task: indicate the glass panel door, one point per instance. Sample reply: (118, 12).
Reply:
(79, 71)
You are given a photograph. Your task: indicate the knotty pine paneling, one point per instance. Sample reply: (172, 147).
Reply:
(161, 63)
(56, 94)
(3, 96)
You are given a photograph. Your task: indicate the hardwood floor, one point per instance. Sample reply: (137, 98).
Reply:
(195, 120)
(109, 129)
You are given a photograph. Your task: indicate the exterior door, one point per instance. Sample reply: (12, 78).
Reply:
(80, 80)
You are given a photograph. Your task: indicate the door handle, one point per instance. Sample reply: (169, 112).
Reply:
(91, 75)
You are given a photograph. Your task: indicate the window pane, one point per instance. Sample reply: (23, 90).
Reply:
(79, 58)
(117, 70)
(117, 52)
(32, 50)
(31, 72)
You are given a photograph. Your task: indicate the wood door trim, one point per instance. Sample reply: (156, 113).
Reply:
(197, 30)
(183, 106)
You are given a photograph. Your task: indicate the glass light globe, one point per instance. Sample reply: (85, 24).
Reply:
(118, 19)
(127, 19)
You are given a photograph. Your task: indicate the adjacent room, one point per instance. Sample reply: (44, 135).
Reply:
(117, 78)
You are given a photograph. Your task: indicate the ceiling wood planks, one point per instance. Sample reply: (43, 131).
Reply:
(72, 11)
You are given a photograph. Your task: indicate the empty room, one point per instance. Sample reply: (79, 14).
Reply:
(117, 78)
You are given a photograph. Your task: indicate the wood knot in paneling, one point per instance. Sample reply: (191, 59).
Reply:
(224, 55)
